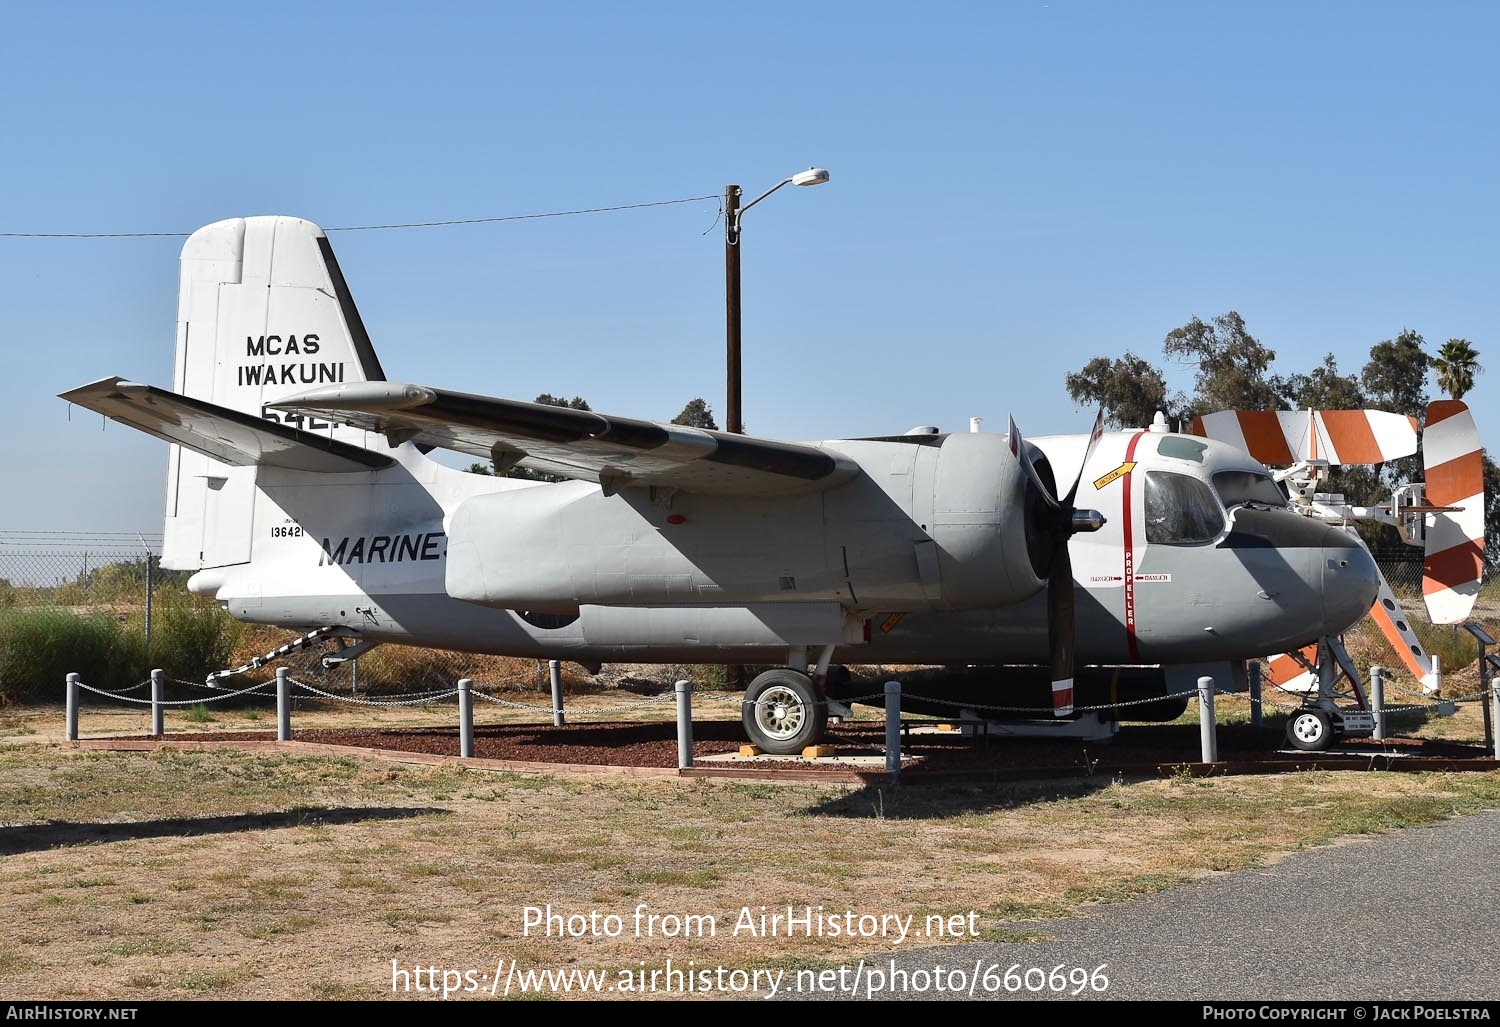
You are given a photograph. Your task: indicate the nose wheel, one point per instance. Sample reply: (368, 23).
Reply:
(1309, 730)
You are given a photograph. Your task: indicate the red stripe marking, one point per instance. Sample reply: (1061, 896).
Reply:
(1455, 479)
(1127, 528)
(1442, 409)
(1460, 565)
(1062, 700)
(1196, 428)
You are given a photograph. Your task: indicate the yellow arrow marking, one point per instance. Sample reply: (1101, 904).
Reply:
(890, 622)
(1115, 475)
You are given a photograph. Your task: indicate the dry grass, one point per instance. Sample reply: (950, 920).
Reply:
(226, 875)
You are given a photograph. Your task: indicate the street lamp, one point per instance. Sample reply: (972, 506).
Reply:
(733, 212)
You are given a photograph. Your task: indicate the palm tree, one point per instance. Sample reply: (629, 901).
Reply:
(1457, 363)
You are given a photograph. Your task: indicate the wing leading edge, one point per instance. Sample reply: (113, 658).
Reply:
(616, 452)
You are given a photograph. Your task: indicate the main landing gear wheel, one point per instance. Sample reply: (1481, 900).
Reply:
(783, 712)
(1310, 730)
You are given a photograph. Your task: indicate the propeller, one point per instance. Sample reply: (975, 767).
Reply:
(1051, 522)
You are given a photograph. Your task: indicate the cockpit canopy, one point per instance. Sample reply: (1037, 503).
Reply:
(1183, 510)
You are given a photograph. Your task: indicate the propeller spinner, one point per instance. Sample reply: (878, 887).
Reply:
(1052, 521)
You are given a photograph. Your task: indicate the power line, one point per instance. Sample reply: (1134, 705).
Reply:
(373, 228)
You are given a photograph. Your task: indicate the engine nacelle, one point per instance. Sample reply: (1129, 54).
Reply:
(940, 523)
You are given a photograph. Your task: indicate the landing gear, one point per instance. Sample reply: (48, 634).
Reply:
(1310, 730)
(784, 712)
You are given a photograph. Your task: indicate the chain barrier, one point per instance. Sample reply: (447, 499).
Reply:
(119, 694)
(655, 700)
(174, 702)
(356, 701)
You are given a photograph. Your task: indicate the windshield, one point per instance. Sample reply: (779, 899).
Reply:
(1180, 510)
(1236, 487)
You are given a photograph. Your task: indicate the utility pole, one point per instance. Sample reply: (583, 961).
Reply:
(733, 422)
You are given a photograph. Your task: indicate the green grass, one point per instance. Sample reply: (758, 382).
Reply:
(41, 644)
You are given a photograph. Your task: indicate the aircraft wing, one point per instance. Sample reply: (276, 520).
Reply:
(614, 451)
(230, 436)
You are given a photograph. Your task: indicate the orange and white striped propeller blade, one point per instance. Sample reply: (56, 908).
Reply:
(1294, 672)
(1280, 438)
(1454, 562)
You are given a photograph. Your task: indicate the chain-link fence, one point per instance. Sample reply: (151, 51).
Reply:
(109, 612)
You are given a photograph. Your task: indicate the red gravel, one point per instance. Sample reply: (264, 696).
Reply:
(1135, 749)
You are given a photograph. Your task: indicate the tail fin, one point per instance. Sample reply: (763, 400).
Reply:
(263, 312)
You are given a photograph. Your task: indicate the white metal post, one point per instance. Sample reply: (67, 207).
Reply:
(465, 717)
(73, 680)
(1257, 711)
(283, 705)
(554, 670)
(1377, 700)
(1495, 710)
(893, 728)
(158, 711)
(684, 691)
(1207, 729)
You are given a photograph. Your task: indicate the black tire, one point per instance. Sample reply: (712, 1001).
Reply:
(783, 712)
(1309, 730)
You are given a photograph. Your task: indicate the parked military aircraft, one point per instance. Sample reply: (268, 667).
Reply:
(300, 492)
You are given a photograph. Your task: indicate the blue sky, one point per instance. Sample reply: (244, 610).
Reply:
(1016, 187)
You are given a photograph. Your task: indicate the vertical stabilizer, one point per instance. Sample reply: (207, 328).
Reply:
(263, 311)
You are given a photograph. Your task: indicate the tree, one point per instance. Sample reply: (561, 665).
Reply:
(1325, 389)
(696, 415)
(576, 403)
(1129, 389)
(478, 469)
(1457, 363)
(1395, 377)
(1232, 365)
(527, 473)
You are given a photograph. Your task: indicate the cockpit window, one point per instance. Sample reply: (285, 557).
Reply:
(1236, 487)
(1180, 510)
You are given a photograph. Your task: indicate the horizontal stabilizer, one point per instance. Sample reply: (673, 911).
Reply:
(1281, 438)
(230, 436)
(616, 452)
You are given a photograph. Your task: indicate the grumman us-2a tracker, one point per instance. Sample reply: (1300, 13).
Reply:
(300, 493)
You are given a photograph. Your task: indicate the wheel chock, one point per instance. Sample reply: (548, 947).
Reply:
(820, 752)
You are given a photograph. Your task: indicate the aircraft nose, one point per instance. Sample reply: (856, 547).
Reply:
(1350, 581)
